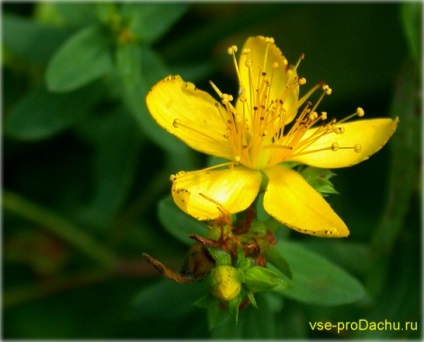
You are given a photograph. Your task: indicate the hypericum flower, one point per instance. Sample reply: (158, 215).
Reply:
(257, 134)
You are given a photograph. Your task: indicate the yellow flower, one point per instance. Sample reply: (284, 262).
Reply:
(257, 135)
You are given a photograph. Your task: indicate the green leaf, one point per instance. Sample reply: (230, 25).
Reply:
(252, 323)
(42, 114)
(319, 179)
(317, 280)
(178, 223)
(216, 315)
(412, 25)
(167, 299)
(85, 57)
(149, 21)
(403, 173)
(75, 14)
(128, 64)
(23, 37)
(117, 141)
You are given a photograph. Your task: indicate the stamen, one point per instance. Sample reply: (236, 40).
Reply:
(232, 51)
(225, 215)
(359, 112)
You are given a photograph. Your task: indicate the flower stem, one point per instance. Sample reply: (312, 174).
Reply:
(60, 227)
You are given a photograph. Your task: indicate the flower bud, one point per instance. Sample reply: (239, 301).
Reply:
(259, 278)
(225, 282)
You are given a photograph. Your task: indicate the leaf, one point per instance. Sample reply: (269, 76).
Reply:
(253, 323)
(76, 14)
(42, 114)
(149, 21)
(317, 280)
(117, 143)
(23, 37)
(412, 23)
(166, 299)
(128, 58)
(178, 223)
(403, 171)
(82, 59)
(277, 260)
(319, 179)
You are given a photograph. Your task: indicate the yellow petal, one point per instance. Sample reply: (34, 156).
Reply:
(292, 201)
(370, 135)
(262, 59)
(200, 193)
(191, 115)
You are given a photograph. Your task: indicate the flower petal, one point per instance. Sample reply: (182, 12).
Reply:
(282, 86)
(292, 201)
(199, 193)
(370, 134)
(191, 115)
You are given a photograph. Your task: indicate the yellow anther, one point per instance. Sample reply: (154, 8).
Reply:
(323, 116)
(269, 40)
(302, 81)
(237, 159)
(232, 49)
(340, 130)
(275, 65)
(357, 148)
(226, 98)
(176, 123)
(360, 112)
(334, 146)
(172, 178)
(248, 62)
(327, 89)
(312, 116)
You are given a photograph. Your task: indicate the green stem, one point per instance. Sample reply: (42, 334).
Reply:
(27, 293)
(60, 227)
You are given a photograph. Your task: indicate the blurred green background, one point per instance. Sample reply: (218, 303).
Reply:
(85, 166)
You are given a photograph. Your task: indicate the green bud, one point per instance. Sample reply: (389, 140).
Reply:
(225, 282)
(259, 278)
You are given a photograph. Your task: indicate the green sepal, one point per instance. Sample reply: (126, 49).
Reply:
(252, 299)
(204, 301)
(233, 307)
(221, 258)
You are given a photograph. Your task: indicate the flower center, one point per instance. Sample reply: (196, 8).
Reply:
(260, 126)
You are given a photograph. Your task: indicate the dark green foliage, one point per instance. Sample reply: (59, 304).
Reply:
(86, 171)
